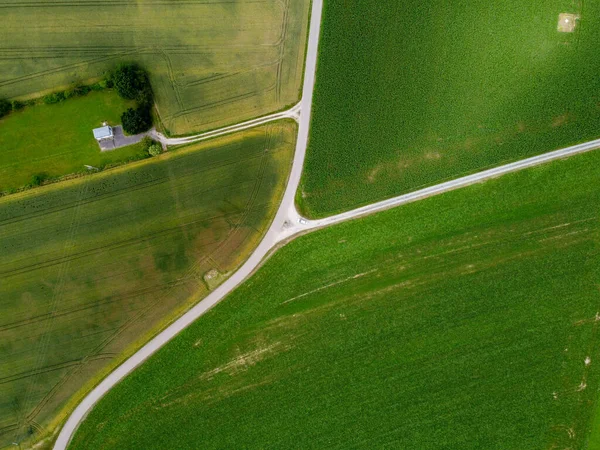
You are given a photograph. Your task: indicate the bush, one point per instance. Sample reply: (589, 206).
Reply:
(55, 97)
(132, 82)
(5, 107)
(146, 143)
(38, 179)
(137, 120)
(17, 105)
(155, 149)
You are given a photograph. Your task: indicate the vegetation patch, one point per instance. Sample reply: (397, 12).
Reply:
(57, 139)
(211, 63)
(467, 320)
(413, 93)
(92, 267)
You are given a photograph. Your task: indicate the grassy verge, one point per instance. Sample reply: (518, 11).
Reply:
(56, 140)
(466, 320)
(92, 267)
(412, 94)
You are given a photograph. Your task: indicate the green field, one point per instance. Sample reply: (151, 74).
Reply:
(91, 267)
(412, 93)
(464, 321)
(211, 63)
(57, 140)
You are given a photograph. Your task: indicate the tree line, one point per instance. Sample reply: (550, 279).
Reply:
(129, 80)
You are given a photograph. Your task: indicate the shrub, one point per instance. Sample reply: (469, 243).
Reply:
(70, 93)
(132, 82)
(155, 149)
(37, 179)
(5, 107)
(55, 97)
(146, 142)
(17, 105)
(137, 120)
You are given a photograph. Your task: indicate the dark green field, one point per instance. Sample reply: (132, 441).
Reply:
(465, 321)
(91, 268)
(412, 93)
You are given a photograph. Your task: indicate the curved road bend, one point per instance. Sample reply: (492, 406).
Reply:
(287, 222)
(270, 239)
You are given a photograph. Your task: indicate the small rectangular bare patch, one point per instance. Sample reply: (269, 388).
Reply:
(567, 22)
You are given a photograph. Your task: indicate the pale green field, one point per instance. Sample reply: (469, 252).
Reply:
(90, 268)
(211, 63)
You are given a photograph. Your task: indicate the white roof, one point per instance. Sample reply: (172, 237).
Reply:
(103, 133)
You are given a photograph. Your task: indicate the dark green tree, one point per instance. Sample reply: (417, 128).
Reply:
(132, 82)
(137, 120)
(5, 107)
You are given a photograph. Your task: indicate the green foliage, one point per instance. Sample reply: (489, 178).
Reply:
(155, 149)
(402, 102)
(132, 82)
(136, 120)
(146, 142)
(38, 179)
(461, 322)
(5, 107)
(17, 105)
(55, 97)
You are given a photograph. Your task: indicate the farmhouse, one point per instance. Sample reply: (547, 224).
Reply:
(103, 133)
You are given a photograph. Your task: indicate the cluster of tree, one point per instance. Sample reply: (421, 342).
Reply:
(132, 83)
(151, 147)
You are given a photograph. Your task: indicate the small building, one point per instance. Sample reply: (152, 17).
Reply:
(104, 133)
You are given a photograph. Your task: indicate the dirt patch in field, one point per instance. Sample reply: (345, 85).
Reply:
(567, 22)
(560, 120)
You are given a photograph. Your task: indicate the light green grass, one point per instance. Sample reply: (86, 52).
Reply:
(461, 321)
(90, 268)
(57, 140)
(211, 63)
(412, 93)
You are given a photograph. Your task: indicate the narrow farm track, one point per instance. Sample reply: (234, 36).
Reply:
(287, 223)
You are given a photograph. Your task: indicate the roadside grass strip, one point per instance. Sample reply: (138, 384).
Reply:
(468, 320)
(411, 94)
(91, 268)
(211, 63)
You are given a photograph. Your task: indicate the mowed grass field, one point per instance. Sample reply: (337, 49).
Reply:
(56, 140)
(90, 268)
(211, 63)
(410, 94)
(464, 321)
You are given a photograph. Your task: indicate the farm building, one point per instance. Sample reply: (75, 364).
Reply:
(103, 133)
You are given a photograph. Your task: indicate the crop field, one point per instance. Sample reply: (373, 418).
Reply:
(212, 63)
(433, 90)
(467, 320)
(56, 140)
(91, 268)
